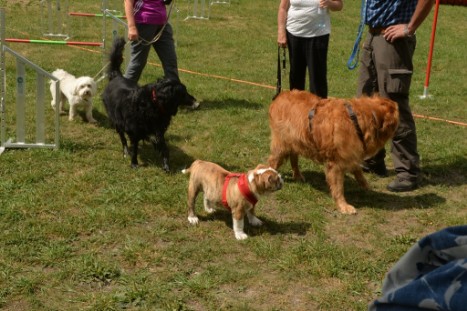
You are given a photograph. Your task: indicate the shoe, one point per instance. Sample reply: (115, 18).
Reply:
(402, 185)
(375, 168)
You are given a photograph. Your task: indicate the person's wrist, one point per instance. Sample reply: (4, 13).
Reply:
(407, 32)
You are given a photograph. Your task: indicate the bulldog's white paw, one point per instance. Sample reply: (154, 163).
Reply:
(193, 220)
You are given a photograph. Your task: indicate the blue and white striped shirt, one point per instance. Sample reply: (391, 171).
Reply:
(384, 13)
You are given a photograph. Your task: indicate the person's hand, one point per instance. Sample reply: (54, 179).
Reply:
(323, 3)
(395, 32)
(132, 33)
(282, 41)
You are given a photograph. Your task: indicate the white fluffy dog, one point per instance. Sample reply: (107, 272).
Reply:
(78, 92)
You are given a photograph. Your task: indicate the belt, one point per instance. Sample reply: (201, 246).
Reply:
(377, 30)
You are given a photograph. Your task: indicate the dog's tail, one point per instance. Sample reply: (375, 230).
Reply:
(186, 171)
(116, 58)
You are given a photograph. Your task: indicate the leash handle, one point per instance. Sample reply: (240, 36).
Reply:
(279, 70)
(279, 77)
(353, 59)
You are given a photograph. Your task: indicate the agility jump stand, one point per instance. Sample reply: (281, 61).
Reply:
(201, 8)
(40, 124)
(56, 20)
(117, 24)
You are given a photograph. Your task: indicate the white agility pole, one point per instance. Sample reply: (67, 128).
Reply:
(219, 2)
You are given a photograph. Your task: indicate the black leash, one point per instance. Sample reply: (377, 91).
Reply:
(279, 70)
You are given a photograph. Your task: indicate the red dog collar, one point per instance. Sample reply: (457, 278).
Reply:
(242, 186)
(155, 101)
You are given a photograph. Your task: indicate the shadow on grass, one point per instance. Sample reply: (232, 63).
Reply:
(148, 156)
(454, 173)
(269, 226)
(102, 119)
(369, 198)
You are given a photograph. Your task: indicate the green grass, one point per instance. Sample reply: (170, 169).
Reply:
(81, 230)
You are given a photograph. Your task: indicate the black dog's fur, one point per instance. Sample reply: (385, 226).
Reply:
(141, 112)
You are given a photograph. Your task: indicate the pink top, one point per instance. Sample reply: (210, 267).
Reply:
(150, 12)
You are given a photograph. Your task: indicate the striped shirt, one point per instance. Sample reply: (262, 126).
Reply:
(150, 12)
(384, 13)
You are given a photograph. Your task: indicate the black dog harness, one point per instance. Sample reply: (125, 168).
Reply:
(352, 116)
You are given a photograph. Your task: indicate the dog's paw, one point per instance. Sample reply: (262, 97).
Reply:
(92, 121)
(240, 235)
(165, 165)
(255, 221)
(193, 220)
(298, 177)
(195, 105)
(209, 210)
(347, 209)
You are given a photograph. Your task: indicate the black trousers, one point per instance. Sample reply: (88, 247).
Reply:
(311, 54)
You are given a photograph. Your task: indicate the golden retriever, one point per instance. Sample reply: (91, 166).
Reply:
(303, 124)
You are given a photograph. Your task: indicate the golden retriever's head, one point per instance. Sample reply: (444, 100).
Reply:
(389, 114)
(385, 120)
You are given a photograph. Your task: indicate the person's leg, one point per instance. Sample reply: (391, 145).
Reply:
(404, 149)
(316, 54)
(367, 78)
(139, 52)
(297, 62)
(367, 86)
(394, 66)
(165, 49)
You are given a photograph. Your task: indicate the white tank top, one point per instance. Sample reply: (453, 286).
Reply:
(303, 19)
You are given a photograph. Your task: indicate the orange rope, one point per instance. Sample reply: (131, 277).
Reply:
(260, 84)
(439, 119)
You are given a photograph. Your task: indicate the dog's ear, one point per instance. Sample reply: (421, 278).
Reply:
(261, 166)
(76, 88)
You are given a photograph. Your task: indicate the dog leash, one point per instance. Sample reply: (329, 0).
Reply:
(353, 60)
(103, 68)
(279, 76)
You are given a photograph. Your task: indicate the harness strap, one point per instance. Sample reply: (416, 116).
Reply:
(311, 114)
(242, 186)
(354, 119)
(245, 190)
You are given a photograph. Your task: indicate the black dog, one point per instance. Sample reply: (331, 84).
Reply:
(142, 112)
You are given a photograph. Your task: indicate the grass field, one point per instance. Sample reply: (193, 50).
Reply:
(81, 230)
